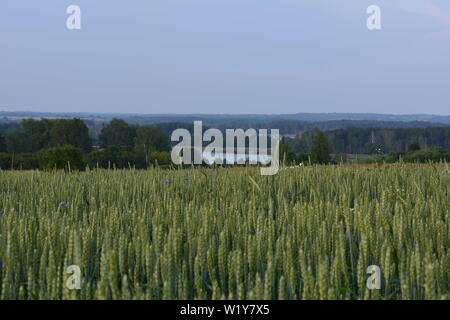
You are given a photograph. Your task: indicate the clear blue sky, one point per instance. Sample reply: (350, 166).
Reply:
(225, 56)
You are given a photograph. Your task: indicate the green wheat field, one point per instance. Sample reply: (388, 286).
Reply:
(226, 233)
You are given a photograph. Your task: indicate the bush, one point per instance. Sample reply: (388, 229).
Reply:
(303, 157)
(160, 158)
(65, 157)
(18, 161)
(112, 157)
(434, 154)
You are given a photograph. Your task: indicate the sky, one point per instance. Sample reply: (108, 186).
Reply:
(225, 56)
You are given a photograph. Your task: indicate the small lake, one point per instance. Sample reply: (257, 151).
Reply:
(234, 157)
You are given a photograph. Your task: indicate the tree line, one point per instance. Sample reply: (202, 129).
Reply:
(372, 141)
(419, 145)
(63, 143)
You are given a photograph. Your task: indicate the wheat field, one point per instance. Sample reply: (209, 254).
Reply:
(226, 233)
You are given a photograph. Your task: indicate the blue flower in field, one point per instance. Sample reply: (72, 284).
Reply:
(347, 237)
(166, 181)
(62, 204)
(186, 179)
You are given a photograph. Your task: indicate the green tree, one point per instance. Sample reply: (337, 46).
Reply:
(33, 136)
(16, 142)
(287, 155)
(118, 133)
(37, 133)
(149, 138)
(73, 132)
(320, 150)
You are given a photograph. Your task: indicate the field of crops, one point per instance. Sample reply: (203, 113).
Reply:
(305, 233)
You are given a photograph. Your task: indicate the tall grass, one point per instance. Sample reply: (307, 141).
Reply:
(307, 233)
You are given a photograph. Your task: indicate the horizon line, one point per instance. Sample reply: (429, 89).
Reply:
(226, 114)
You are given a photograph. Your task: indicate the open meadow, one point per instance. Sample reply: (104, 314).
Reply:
(305, 233)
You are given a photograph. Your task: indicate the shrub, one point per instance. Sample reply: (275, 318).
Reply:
(160, 158)
(112, 157)
(18, 161)
(65, 157)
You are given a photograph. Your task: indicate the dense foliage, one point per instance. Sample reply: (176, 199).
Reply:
(375, 141)
(118, 133)
(434, 154)
(19, 161)
(41, 134)
(64, 143)
(124, 145)
(66, 157)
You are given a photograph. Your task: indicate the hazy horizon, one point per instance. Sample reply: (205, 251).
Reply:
(224, 114)
(226, 57)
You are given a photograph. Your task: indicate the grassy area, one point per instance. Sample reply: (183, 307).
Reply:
(306, 233)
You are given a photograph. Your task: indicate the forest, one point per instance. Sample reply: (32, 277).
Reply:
(375, 140)
(63, 143)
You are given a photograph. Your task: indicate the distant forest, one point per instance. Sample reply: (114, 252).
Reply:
(375, 140)
(63, 143)
(214, 118)
(344, 136)
(286, 125)
(54, 143)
